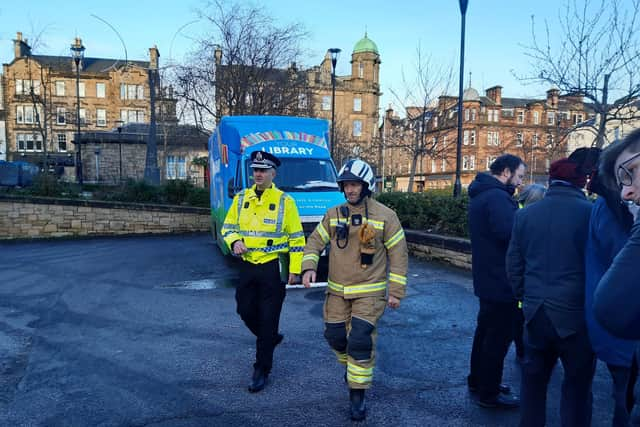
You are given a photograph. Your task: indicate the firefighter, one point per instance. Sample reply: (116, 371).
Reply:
(262, 224)
(367, 271)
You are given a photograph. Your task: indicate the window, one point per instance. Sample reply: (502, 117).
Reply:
(468, 162)
(536, 117)
(465, 138)
(493, 138)
(19, 114)
(534, 140)
(101, 90)
(473, 114)
(519, 139)
(302, 101)
(550, 118)
(357, 128)
(83, 116)
(444, 165)
(28, 114)
(62, 142)
(520, 116)
(492, 115)
(176, 167)
(326, 103)
(131, 91)
(434, 143)
(61, 116)
(549, 140)
(434, 166)
(564, 115)
(507, 112)
(81, 90)
(361, 70)
(435, 122)
(29, 142)
(132, 116)
(357, 104)
(101, 117)
(59, 88)
(472, 138)
(23, 87)
(577, 118)
(467, 115)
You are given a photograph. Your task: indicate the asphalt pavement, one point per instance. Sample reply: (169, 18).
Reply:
(142, 331)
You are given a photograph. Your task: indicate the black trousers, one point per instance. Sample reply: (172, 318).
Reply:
(259, 297)
(494, 333)
(543, 347)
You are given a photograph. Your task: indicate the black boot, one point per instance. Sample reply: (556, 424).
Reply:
(258, 380)
(358, 408)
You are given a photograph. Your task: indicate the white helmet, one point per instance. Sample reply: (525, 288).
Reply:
(357, 170)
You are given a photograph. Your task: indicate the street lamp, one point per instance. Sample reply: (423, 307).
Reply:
(334, 51)
(119, 124)
(457, 186)
(77, 53)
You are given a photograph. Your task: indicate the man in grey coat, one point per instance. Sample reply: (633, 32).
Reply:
(545, 266)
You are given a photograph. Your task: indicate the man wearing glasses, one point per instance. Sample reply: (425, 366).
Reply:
(617, 298)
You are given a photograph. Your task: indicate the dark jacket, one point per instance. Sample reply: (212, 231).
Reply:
(616, 304)
(491, 211)
(607, 236)
(545, 260)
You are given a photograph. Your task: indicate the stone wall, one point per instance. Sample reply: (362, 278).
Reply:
(38, 217)
(452, 250)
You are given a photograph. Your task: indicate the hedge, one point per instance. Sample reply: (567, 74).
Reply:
(435, 211)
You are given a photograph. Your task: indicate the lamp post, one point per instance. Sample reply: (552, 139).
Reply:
(457, 186)
(119, 124)
(334, 51)
(77, 53)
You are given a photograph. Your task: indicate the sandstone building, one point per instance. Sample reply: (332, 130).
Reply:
(40, 101)
(309, 92)
(535, 129)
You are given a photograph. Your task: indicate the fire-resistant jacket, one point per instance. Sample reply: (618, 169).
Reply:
(347, 277)
(268, 225)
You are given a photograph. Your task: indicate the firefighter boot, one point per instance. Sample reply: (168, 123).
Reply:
(258, 380)
(358, 408)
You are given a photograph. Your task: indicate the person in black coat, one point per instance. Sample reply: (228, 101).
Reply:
(491, 211)
(616, 302)
(545, 265)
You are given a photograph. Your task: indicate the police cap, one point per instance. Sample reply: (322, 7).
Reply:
(263, 160)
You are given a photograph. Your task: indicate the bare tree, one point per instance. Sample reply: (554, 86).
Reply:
(598, 57)
(419, 102)
(246, 64)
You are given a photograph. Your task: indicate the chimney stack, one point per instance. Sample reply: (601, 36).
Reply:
(495, 94)
(154, 55)
(21, 47)
(552, 97)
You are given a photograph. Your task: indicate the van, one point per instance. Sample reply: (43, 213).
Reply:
(307, 172)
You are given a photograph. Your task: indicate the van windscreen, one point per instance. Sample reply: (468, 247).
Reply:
(302, 174)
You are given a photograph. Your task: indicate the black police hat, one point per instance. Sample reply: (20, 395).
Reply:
(263, 160)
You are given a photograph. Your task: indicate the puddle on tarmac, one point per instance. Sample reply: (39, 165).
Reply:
(200, 285)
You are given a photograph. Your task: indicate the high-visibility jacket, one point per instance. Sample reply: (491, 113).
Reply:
(268, 225)
(347, 277)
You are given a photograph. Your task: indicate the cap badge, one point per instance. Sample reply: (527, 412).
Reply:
(259, 156)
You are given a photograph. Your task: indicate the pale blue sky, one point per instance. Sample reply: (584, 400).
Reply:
(496, 29)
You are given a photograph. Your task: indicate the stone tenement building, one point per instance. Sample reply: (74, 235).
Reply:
(40, 101)
(537, 130)
(357, 99)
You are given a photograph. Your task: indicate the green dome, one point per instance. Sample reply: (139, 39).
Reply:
(365, 44)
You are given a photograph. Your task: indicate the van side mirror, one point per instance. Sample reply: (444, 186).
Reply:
(231, 189)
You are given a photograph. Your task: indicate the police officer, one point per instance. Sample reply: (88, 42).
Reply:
(367, 259)
(262, 224)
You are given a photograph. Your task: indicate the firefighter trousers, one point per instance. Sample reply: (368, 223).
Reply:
(259, 297)
(350, 330)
